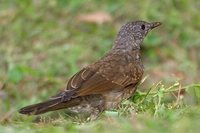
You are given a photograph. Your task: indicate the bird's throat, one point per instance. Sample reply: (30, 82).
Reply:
(127, 47)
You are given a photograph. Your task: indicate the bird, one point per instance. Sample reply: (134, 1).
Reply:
(104, 84)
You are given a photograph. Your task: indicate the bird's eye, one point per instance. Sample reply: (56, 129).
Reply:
(142, 26)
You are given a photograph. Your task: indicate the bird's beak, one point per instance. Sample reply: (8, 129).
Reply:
(155, 24)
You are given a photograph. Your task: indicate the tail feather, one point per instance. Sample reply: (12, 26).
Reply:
(50, 105)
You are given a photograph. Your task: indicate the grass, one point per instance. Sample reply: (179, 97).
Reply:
(43, 43)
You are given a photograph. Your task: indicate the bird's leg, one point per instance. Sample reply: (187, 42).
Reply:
(94, 114)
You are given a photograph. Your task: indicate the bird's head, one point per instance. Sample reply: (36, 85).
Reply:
(133, 33)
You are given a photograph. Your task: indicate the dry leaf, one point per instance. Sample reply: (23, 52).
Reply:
(95, 17)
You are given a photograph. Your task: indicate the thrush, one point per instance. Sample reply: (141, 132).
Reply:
(104, 84)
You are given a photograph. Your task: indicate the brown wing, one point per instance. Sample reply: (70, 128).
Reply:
(97, 84)
(87, 82)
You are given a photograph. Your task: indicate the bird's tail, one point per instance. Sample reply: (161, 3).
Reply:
(50, 105)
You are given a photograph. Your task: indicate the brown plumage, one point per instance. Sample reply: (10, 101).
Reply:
(105, 83)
